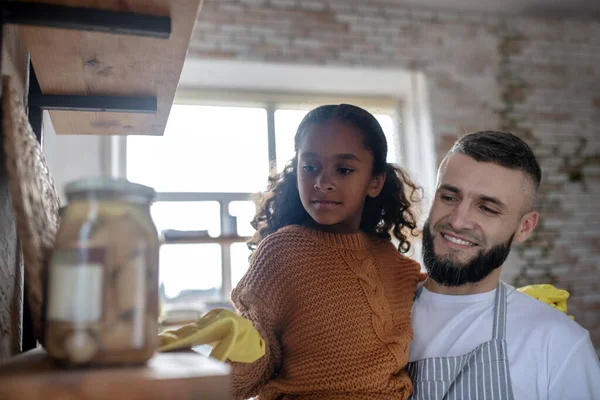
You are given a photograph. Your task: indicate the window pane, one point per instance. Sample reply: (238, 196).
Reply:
(244, 212)
(204, 149)
(387, 124)
(239, 262)
(191, 271)
(187, 216)
(287, 121)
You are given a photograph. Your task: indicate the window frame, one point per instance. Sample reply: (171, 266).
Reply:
(116, 156)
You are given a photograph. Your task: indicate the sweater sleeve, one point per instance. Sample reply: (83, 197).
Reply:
(259, 297)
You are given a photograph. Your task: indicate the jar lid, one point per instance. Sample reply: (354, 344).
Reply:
(108, 187)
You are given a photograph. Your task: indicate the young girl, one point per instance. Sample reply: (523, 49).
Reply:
(326, 288)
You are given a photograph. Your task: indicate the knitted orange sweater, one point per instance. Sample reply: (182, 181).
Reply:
(334, 310)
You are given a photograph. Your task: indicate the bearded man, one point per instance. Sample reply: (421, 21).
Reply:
(476, 337)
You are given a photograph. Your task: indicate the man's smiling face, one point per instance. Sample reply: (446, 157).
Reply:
(477, 211)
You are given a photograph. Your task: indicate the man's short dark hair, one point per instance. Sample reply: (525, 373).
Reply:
(502, 148)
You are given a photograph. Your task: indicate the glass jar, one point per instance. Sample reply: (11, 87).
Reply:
(102, 303)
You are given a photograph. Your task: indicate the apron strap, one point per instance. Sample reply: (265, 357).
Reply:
(418, 292)
(499, 331)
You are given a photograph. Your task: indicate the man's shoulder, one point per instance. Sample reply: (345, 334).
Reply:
(530, 315)
(547, 346)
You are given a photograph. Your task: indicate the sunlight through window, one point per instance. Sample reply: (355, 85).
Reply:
(206, 153)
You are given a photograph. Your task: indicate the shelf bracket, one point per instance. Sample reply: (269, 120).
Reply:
(35, 114)
(85, 19)
(146, 105)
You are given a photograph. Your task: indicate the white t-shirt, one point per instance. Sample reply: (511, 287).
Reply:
(550, 356)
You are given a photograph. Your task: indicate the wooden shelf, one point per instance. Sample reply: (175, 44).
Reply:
(72, 62)
(173, 376)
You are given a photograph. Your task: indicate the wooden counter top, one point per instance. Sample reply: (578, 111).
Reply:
(173, 376)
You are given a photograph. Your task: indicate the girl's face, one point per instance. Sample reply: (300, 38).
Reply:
(335, 176)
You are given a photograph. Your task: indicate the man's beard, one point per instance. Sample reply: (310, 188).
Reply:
(448, 272)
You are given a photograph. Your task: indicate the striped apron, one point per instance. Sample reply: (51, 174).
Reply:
(481, 374)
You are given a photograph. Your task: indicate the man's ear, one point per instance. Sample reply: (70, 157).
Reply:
(526, 226)
(376, 185)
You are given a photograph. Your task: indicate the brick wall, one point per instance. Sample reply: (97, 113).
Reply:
(550, 82)
(537, 78)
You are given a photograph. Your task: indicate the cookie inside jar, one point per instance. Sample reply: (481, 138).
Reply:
(103, 276)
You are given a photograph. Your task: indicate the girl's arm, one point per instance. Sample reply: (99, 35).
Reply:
(249, 378)
(260, 298)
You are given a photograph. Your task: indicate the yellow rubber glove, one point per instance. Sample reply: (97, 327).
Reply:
(231, 336)
(548, 294)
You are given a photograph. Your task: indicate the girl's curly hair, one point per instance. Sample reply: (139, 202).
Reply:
(394, 210)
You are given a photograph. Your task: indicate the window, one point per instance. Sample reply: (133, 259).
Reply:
(286, 122)
(185, 158)
(204, 169)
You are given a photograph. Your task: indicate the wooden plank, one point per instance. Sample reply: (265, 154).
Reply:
(92, 63)
(14, 63)
(175, 376)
